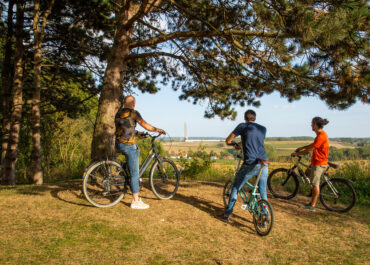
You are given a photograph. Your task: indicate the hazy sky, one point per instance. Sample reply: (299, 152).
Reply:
(281, 118)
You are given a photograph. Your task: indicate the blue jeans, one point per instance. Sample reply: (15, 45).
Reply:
(245, 173)
(132, 153)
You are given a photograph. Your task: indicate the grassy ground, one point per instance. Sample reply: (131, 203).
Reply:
(55, 225)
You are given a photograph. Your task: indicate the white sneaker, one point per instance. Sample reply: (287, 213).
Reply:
(139, 204)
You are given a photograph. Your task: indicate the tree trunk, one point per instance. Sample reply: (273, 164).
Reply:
(111, 92)
(38, 33)
(6, 84)
(36, 138)
(16, 115)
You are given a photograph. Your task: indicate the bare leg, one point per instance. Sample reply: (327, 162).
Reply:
(315, 194)
(135, 197)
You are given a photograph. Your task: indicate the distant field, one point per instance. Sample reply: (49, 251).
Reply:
(176, 147)
(283, 148)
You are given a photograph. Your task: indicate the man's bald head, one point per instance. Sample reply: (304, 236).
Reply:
(129, 102)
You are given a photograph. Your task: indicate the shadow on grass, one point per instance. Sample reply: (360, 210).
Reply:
(72, 188)
(212, 209)
(293, 208)
(76, 191)
(190, 184)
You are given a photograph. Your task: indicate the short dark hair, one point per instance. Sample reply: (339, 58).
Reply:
(250, 115)
(320, 122)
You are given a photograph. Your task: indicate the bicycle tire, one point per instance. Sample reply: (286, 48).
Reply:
(265, 221)
(164, 186)
(347, 195)
(227, 192)
(100, 181)
(280, 186)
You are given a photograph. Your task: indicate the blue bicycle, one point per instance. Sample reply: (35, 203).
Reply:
(263, 214)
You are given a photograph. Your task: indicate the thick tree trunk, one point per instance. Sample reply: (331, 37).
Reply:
(16, 115)
(111, 93)
(6, 83)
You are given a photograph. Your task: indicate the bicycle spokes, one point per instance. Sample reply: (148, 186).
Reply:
(104, 184)
(263, 217)
(164, 179)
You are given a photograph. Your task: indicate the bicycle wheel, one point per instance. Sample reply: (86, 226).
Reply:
(227, 192)
(282, 184)
(341, 197)
(103, 185)
(263, 218)
(164, 179)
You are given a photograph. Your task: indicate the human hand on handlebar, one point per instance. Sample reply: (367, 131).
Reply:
(236, 145)
(141, 135)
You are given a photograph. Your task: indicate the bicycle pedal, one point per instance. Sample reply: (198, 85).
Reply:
(244, 206)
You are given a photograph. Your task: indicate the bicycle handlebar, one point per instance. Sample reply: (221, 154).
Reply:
(146, 134)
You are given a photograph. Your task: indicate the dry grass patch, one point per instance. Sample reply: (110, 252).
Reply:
(55, 225)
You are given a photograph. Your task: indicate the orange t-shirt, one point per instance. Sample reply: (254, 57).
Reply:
(321, 152)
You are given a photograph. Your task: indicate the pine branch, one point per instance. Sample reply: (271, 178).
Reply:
(207, 34)
(152, 54)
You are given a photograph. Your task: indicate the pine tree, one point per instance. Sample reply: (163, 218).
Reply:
(234, 52)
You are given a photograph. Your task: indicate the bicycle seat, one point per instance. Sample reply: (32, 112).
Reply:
(263, 161)
(333, 165)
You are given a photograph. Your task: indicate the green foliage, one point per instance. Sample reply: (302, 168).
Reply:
(224, 154)
(271, 153)
(358, 153)
(359, 173)
(199, 163)
(145, 145)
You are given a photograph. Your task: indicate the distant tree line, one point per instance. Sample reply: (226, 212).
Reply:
(292, 138)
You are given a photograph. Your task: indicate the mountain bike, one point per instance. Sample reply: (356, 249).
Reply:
(336, 194)
(105, 182)
(263, 214)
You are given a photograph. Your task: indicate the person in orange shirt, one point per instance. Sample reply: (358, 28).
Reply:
(319, 160)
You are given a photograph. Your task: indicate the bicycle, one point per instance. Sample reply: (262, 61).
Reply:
(336, 194)
(263, 214)
(105, 182)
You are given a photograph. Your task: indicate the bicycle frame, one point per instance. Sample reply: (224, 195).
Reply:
(153, 154)
(148, 160)
(306, 179)
(254, 194)
(303, 176)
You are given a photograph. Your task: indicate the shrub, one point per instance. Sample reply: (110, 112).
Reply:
(359, 173)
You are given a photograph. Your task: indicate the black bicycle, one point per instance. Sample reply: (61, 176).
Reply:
(336, 194)
(105, 182)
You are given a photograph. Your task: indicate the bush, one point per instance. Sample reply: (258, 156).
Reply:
(359, 173)
(195, 167)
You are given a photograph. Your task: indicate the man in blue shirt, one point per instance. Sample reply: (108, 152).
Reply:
(253, 137)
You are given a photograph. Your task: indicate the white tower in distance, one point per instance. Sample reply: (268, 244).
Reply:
(185, 132)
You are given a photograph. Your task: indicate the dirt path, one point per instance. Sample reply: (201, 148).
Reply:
(55, 225)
